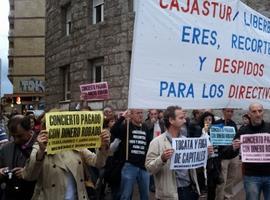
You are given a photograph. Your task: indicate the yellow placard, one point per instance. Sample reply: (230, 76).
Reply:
(73, 130)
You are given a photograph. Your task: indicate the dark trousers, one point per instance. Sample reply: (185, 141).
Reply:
(211, 192)
(152, 184)
(187, 193)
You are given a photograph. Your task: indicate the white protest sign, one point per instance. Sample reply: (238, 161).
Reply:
(189, 153)
(221, 135)
(255, 148)
(199, 54)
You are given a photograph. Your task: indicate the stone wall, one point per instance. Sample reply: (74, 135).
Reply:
(262, 6)
(109, 40)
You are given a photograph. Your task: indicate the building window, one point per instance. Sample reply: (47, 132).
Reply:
(66, 83)
(96, 70)
(98, 73)
(98, 11)
(66, 15)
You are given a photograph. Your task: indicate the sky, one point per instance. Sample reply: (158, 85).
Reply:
(6, 86)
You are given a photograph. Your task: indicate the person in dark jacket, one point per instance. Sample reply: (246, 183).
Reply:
(13, 156)
(245, 120)
(194, 128)
(229, 165)
(135, 138)
(155, 126)
(205, 122)
(256, 175)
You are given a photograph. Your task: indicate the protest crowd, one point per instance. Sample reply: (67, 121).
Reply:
(163, 152)
(162, 58)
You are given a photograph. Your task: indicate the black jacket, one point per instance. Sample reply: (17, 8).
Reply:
(255, 169)
(11, 156)
(135, 156)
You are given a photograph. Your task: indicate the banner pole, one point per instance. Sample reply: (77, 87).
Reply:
(127, 139)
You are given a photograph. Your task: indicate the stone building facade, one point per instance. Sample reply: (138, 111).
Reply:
(78, 48)
(88, 41)
(26, 53)
(262, 6)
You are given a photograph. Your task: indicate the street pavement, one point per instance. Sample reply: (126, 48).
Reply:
(238, 189)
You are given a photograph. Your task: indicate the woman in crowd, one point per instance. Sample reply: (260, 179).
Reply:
(213, 168)
(209, 175)
(205, 121)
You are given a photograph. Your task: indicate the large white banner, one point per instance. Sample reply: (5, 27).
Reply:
(199, 54)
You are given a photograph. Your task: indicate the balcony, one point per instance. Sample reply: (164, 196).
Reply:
(10, 71)
(11, 33)
(11, 3)
(11, 14)
(10, 52)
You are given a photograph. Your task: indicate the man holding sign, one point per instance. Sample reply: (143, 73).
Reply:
(135, 139)
(60, 174)
(170, 184)
(256, 174)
